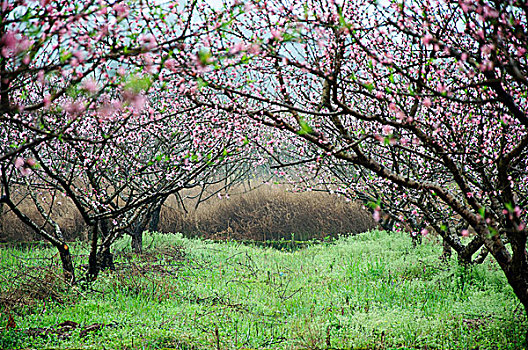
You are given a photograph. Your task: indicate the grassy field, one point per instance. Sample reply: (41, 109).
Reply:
(371, 291)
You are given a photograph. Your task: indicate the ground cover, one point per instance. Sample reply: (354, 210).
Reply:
(370, 291)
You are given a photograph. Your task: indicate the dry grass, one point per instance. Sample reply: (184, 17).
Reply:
(265, 213)
(63, 212)
(23, 286)
(270, 213)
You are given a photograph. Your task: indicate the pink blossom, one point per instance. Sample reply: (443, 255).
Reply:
(427, 102)
(24, 166)
(276, 34)
(148, 41)
(14, 44)
(424, 232)
(236, 48)
(47, 101)
(137, 100)
(19, 162)
(387, 129)
(25, 171)
(427, 39)
(90, 85)
(9, 40)
(170, 64)
(254, 49)
(465, 233)
(121, 10)
(73, 109)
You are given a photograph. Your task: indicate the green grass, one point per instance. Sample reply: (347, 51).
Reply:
(372, 291)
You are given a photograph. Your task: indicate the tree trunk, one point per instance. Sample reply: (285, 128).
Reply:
(105, 258)
(446, 253)
(137, 239)
(93, 267)
(154, 221)
(67, 263)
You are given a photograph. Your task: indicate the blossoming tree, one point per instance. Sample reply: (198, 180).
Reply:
(424, 100)
(88, 114)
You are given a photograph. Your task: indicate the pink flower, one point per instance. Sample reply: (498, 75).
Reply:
(19, 162)
(427, 39)
(73, 109)
(276, 34)
(47, 101)
(236, 48)
(376, 215)
(14, 44)
(90, 85)
(424, 232)
(24, 166)
(31, 162)
(25, 171)
(170, 64)
(387, 129)
(465, 233)
(121, 10)
(427, 102)
(148, 41)
(137, 100)
(254, 49)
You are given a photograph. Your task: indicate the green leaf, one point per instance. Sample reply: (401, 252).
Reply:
(138, 84)
(244, 59)
(205, 57)
(369, 86)
(201, 83)
(305, 128)
(65, 55)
